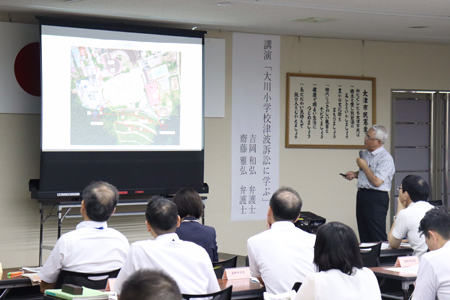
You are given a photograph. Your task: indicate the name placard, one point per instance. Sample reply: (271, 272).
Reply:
(110, 285)
(236, 273)
(406, 261)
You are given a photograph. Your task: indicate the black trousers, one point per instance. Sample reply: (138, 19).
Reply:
(371, 211)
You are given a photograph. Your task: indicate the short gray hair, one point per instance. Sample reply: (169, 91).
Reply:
(380, 132)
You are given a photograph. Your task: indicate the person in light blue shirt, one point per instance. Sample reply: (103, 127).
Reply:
(376, 169)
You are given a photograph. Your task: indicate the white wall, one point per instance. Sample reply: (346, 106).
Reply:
(313, 172)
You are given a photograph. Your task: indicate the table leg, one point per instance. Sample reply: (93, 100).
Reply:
(59, 221)
(405, 288)
(41, 234)
(5, 292)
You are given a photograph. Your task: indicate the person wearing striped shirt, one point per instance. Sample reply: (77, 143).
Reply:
(376, 169)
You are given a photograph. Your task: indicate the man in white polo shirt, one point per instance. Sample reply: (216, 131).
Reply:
(433, 278)
(93, 247)
(412, 205)
(187, 263)
(284, 254)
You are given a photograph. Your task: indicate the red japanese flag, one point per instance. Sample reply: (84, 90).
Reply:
(20, 79)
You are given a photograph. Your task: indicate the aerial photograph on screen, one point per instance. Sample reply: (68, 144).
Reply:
(124, 97)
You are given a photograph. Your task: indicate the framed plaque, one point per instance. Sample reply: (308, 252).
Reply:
(329, 111)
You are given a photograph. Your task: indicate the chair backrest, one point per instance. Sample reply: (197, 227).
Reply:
(297, 286)
(220, 266)
(371, 255)
(93, 281)
(224, 294)
(435, 202)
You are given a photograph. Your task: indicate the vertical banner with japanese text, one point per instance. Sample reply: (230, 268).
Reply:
(255, 124)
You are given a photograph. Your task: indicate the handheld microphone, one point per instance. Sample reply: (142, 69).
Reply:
(361, 152)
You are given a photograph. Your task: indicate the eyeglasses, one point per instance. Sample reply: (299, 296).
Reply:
(368, 137)
(399, 188)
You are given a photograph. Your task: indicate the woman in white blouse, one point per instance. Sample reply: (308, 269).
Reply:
(341, 274)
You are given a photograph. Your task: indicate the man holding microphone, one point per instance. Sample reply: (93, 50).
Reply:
(376, 169)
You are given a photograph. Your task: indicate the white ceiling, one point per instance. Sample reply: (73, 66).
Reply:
(387, 20)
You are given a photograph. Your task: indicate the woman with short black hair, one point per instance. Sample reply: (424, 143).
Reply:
(190, 209)
(341, 273)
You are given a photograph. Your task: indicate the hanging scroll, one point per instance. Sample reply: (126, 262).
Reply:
(327, 111)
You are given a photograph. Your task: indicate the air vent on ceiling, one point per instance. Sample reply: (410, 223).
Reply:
(314, 20)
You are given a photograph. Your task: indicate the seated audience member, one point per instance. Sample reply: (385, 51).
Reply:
(150, 285)
(190, 209)
(92, 247)
(433, 278)
(186, 262)
(283, 254)
(341, 274)
(411, 207)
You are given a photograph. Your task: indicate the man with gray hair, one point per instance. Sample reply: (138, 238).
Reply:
(93, 247)
(376, 169)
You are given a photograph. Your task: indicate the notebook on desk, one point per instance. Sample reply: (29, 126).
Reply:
(88, 294)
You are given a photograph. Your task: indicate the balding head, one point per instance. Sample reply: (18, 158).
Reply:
(100, 200)
(285, 204)
(162, 215)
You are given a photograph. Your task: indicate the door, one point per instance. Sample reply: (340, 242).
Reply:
(420, 139)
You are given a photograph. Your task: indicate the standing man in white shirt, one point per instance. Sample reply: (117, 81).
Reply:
(412, 205)
(283, 254)
(376, 169)
(92, 247)
(187, 263)
(433, 278)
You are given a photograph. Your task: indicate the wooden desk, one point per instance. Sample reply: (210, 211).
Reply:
(243, 288)
(9, 283)
(406, 278)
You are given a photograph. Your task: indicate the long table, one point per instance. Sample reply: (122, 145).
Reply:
(243, 288)
(9, 283)
(405, 278)
(389, 256)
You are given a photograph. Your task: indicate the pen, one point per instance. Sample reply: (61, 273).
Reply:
(12, 274)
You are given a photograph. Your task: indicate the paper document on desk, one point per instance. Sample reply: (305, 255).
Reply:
(112, 295)
(285, 296)
(410, 270)
(367, 244)
(31, 269)
(35, 280)
(385, 246)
